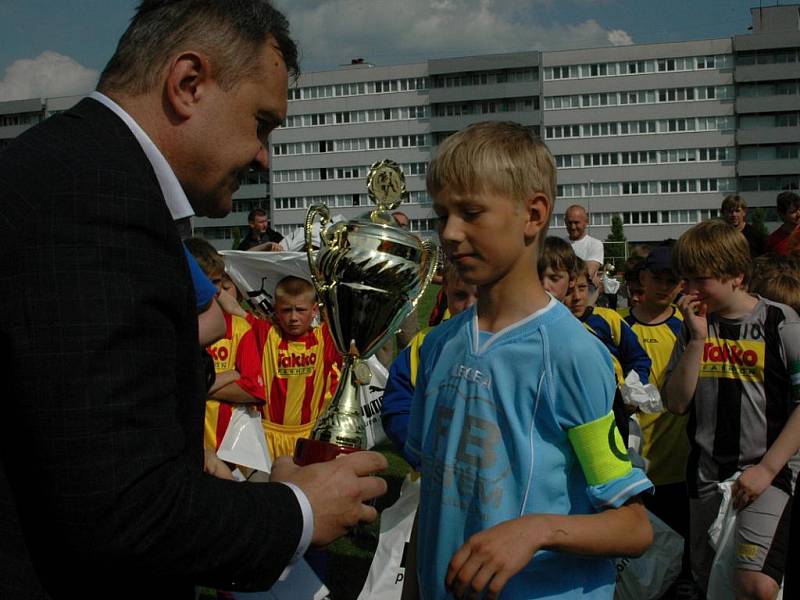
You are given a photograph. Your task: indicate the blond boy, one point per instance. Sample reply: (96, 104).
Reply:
(526, 485)
(735, 369)
(300, 364)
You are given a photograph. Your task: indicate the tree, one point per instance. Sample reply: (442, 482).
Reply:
(757, 221)
(237, 237)
(615, 242)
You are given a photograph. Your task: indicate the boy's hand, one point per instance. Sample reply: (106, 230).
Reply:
(694, 315)
(216, 467)
(490, 558)
(750, 485)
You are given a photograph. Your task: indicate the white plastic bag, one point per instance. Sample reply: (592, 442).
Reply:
(387, 572)
(244, 442)
(649, 576)
(298, 582)
(644, 397)
(722, 535)
(371, 397)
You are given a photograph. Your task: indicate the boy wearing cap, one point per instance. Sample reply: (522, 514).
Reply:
(657, 323)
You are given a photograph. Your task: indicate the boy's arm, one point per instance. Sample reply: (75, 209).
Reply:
(754, 480)
(632, 356)
(681, 382)
(397, 398)
(221, 380)
(490, 558)
(233, 392)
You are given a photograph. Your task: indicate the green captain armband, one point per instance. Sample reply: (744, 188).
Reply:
(599, 448)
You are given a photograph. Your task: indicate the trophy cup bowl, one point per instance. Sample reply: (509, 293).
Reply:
(369, 275)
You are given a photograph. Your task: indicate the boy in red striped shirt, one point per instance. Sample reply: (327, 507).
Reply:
(300, 365)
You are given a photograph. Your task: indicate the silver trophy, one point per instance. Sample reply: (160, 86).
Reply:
(369, 275)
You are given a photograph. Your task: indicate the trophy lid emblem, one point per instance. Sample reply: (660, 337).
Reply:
(386, 186)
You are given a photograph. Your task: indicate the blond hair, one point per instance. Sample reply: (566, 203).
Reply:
(292, 287)
(497, 156)
(558, 255)
(783, 288)
(206, 256)
(712, 248)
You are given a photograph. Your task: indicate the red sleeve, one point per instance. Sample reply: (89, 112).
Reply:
(248, 363)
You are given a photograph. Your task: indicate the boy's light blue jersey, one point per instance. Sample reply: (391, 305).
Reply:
(489, 426)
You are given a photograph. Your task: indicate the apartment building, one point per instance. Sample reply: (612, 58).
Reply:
(657, 134)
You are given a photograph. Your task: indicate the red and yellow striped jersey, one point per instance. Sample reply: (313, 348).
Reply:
(300, 374)
(237, 350)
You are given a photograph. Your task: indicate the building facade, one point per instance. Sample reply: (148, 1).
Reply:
(657, 134)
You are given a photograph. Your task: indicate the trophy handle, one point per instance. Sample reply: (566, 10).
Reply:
(431, 252)
(325, 217)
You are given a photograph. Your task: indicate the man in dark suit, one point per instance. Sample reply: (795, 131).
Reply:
(102, 490)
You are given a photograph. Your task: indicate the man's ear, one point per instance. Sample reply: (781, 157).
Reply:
(187, 80)
(537, 209)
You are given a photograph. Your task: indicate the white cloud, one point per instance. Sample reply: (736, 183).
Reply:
(618, 37)
(392, 31)
(49, 74)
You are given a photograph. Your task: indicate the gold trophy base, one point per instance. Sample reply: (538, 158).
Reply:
(341, 422)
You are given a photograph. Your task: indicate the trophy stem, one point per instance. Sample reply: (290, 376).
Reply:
(340, 429)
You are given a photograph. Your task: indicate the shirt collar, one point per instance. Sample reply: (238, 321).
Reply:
(174, 196)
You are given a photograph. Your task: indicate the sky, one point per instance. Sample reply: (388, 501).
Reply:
(58, 47)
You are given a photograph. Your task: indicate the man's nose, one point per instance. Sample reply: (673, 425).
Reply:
(261, 159)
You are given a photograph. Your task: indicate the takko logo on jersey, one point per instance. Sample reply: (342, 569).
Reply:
(293, 363)
(733, 359)
(221, 352)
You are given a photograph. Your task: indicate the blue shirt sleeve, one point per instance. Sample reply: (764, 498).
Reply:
(204, 290)
(586, 395)
(397, 399)
(632, 356)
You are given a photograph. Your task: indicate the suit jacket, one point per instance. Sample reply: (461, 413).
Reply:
(102, 491)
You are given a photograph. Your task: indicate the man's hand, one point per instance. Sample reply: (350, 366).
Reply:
(336, 490)
(694, 315)
(750, 485)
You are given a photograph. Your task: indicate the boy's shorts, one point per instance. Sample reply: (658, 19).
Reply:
(762, 534)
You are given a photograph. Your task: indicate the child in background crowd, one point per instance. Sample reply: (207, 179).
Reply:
(526, 485)
(734, 212)
(788, 205)
(657, 324)
(734, 369)
(608, 326)
(300, 365)
(556, 267)
(236, 356)
(633, 287)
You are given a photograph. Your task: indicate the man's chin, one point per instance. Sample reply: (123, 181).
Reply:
(213, 208)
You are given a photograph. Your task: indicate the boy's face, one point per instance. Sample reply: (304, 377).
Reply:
(294, 314)
(487, 235)
(460, 295)
(715, 292)
(792, 215)
(735, 216)
(635, 291)
(660, 287)
(578, 300)
(556, 282)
